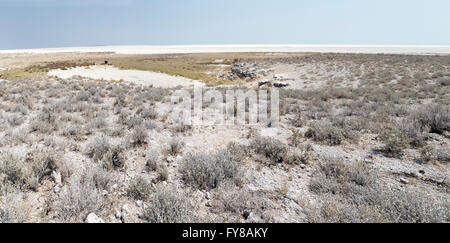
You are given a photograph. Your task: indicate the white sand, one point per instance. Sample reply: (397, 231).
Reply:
(391, 49)
(135, 76)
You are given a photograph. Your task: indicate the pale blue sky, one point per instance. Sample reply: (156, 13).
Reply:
(68, 23)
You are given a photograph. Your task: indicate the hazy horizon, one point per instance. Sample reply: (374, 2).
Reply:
(58, 24)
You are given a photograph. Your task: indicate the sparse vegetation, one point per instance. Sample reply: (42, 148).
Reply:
(169, 206)
(139, 189)
(395, 142)
(208, 171)
(73, 147)
(352, 193)
(81, 196)
(271, 149)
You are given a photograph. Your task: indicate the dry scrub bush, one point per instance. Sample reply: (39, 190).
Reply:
(175, 146)
(134, 122)
(350, 192)
(443, 155)
(154, 164)
(48, 114)
(168, 205)
(17, 172)
(29, 172)
(100, 149)
(207, 171)
(147, 113)
(41, 127)
(241, 202)
(138, 136)
(82, 194)
(427, 154)
(181, 128)
(95, 124)
(434, 118)
(114, 158)
(271, 148)
(15, 119)
(410, 129)
(16, 136)
(97, 147)
(139, 189)
(296, 138)
(301, 155)
(83, 96)
(163, 173)
(21, 109)
(297, 121)
(333, 175)
(12, 208)
(73, 131)
(43, 163)
(444, 81)
(395, 142)
(325, 132)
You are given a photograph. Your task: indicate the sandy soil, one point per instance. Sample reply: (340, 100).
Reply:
(134, 76)
(388, 49)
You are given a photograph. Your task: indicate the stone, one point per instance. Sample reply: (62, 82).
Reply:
(170, 159)
(125, 209)
(139, 203)
(404, 181)
(280, 84)
(118, 214)
(208, 195)
(246, 214)
(125, 214)
(277, 77)
(261, 83)
(92, 218)
(57, 177)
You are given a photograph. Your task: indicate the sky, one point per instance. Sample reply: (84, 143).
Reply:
(73, 23)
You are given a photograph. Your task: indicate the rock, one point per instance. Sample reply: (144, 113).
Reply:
(208, 195)
(170, 159)
(118, 214)
(57, 177)
(422, 172)
(277, 77)
(125, 209)
(280, 84)
(126, 214)
(56, 189)
(139, 214)
(261, 83)
(139, 203)
(242, 73)
(92, 218)
(208, 204)
(246, 214)
(303, 166)
(404, 181)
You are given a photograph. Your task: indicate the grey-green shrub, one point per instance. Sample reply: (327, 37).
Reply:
(206, 171)
(169, 205)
